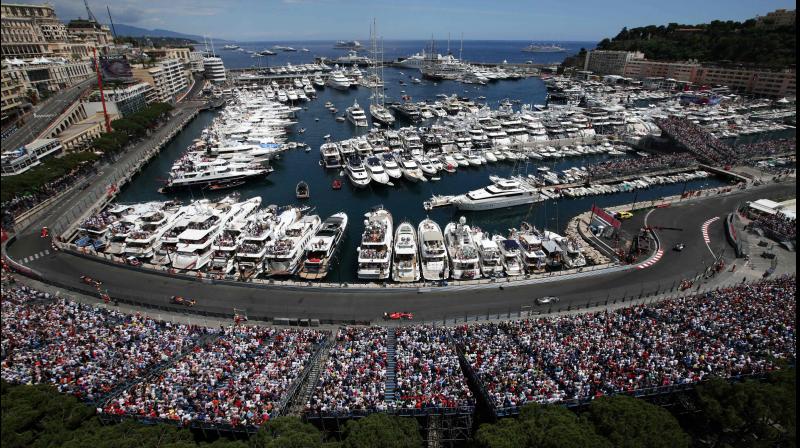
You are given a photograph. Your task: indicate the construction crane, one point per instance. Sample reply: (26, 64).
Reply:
(89, 14)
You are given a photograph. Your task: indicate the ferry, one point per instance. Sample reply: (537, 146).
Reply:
(375, 252)
(322, 249)
(434, 262)
(405, 264)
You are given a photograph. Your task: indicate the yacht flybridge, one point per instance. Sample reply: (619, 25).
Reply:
(433, 257)
(405, 264)
(375, 252)
(356, 115)
(322, 248)
(464, 258)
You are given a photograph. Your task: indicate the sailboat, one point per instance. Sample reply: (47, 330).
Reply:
(377, 108)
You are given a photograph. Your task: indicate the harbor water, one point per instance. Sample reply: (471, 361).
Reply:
(404, 200)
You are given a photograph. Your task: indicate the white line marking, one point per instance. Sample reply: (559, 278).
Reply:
(35, 256)
(25, 260)
(706, 238)
(47, 251)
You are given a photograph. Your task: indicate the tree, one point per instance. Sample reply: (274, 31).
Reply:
(541, 426)
(749, 414)
(631, 423)
(382, 430)
(287, 432)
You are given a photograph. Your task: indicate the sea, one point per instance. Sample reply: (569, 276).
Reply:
(404, 200)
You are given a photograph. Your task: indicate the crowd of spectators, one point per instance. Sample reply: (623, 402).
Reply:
(237, 379)
(778, 226)
(696, 139)
(767, 148)
(354, 376)
(427, 370)
(22, 203)
(627, 167)
(80, 349)
(734, 331)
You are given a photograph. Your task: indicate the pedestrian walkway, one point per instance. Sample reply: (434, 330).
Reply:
(391, 357)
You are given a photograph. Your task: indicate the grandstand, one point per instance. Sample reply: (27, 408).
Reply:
(235, 378)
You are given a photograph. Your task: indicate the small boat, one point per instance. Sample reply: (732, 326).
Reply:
(225, 185)
(301, 191)
(302, 130)
(340, 119)
(308, 149)
(337, 184)
(316, 119)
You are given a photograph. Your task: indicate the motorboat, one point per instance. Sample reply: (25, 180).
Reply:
(375, 251)
(284, 254)
(489, 254)
(358, 175)
(381, 114)
(376, 171)
(434, 262)
(411, 170)
(463, 252)
(338, 80)
(302, 190)
(405, 263)
(390, 166)
(329, 152)
(510, 255)
(321, 250)
(533, 258)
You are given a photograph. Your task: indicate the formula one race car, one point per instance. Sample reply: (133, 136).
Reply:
(180, 300)
(397, 316)
(90, 281)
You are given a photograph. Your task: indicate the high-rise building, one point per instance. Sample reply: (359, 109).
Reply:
(94, 34)
(608, 62)
(30, 31)
(14, 97)
(129, 98)
(214, 69)
(167, 78)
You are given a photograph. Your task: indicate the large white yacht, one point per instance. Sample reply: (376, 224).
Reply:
(382, 114)
(329, 152)
(502, 193)
(510, 255)
(411, 171)
(252, 245)
(284, 254)
(390, 165)
(489, 254)
(434, 262)
(464, 258)
(141, 242)
(405, 264)
(375, 252)
(534, 260)
(354, 168)
(376, 171)
(322, 249)
(197, 171)
(206, 222)
(338, 80)
(356, 115)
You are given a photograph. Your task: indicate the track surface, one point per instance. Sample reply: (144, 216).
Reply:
(342, 304)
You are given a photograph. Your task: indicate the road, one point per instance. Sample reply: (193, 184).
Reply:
(344, 305)
(45, 113)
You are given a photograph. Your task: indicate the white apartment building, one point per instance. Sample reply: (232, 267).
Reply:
(214, 69)
(168, 79)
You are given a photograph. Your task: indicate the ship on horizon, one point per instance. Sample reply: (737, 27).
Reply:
(535, 48)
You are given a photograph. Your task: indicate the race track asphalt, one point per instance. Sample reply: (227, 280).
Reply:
(347, 305)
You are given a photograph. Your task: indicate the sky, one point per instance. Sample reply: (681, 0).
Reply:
(265, 20)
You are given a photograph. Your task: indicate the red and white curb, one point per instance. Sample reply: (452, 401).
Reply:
(707, 238)
(653, 260)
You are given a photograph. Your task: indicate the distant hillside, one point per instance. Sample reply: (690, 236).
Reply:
(133, 31)
(738, 42)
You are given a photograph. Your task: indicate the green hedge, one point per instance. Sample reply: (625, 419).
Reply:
(32, 180)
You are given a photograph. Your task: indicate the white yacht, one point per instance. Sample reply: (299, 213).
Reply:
(434, 262)
(375, 252)
(338, 80)
(354, 168)
(534, 260)
(197, 171)
(252, 247)
(355, 114)
(464, 258)
(501, 194)
(321, 251)
(489, 253)
(225, 245)
(390, 166)
(510, 255)
(381, 114)
(329, 152)
(405, 265)
(376, 172)
(425, 165)
(141, 242)
(411, 170)
(284, 254)
(206, 222)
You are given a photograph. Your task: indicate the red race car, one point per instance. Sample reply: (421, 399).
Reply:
(398, 316)
(180, 300)
(90, 281)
